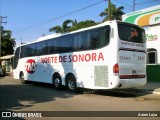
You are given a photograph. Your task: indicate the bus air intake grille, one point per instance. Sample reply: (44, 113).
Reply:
(101, 76)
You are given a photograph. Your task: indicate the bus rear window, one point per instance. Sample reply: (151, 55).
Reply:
(131, 33)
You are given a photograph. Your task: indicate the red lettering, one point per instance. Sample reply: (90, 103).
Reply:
(45, 60)
(55, 59)
(81, 57)
(52, 59)
(87, 57)
(49, 60)
(74, 58)
(42, 60)
(70, 58)
(60, 59)
(100, 56)
(94, 57)
(64, 58)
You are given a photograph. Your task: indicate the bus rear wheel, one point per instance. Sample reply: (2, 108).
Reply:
(71, 84)
(57, 83)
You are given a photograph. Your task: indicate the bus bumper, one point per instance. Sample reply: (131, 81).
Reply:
(132, 83)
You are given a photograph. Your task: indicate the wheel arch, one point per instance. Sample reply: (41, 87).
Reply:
(20, 73)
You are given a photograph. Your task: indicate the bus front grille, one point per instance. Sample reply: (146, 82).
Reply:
(101, 76)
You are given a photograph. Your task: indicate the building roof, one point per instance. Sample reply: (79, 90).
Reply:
(6, 57)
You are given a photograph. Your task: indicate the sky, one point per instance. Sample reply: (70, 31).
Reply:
(30, 19)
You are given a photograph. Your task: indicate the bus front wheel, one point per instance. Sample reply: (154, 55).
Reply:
(22, 78)
(71, 84)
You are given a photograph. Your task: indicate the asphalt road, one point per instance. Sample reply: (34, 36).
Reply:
(15, 96)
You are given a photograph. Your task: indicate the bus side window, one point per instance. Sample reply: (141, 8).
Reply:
(83, 41)
(77, 42)
(23, 52)
(39, 48)
(49, 46)
(16, 58)
(94, 39)
(104, 36)
(65, 44)
(31, 49)
(55, 46)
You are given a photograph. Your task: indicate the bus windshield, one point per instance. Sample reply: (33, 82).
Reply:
(131, 33)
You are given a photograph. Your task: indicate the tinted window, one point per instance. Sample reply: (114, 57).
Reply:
(23, 51)
(91, 39)
(16, 58)
(104, 36)
(65, 44)
(94, 39)
(131, 33)
(86, 40)
(30, 50)
(39, 48)
(51, 46)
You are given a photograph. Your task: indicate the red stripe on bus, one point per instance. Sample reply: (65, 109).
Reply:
(131, 76)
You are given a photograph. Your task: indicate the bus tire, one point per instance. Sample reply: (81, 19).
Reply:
(71, 84)
(22, 78)
(57, 82)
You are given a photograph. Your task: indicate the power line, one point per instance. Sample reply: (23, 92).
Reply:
(134, 3)
(145, 2)
(57, 18)
(122, 3)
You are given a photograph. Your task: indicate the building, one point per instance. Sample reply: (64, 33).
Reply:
(7, 62)
(149, 18)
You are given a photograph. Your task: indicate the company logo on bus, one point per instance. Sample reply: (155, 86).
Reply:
(30, 66)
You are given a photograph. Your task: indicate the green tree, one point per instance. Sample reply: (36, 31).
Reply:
(85, 24)
(61, 29)
(74, 26)
(8, 43)
(116, 13)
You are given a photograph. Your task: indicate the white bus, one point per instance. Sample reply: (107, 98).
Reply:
(106, 56)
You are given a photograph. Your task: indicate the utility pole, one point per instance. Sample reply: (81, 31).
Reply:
(109, 10)
(134, 4)
(1, 21)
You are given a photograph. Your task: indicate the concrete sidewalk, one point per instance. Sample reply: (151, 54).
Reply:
(150, 87)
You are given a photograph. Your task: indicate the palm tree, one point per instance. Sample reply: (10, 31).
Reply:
(74, 26)
(56, 29)
(65, 26)
(116, 13)
(61, 29)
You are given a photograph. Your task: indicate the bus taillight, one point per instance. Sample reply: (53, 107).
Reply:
(116, 68)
